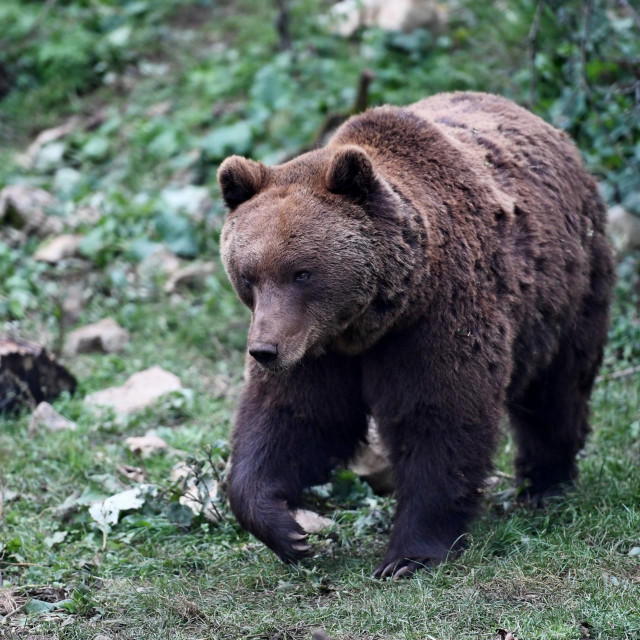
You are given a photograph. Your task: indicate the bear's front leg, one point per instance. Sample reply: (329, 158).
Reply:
(438, 413)
(291, 428)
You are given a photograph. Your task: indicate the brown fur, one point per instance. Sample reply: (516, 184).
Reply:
(457, 268)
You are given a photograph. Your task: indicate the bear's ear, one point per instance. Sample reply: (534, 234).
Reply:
(350, 173)
(240, 179)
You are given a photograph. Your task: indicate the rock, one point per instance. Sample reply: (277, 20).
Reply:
(372, 464)
(400, 15)
(192, 276)
(106, 336)
(25, 207)
(57, 249)
(320, 634)
(312, 522)
(624, 229)
(141, 390)
(29, 375)
(46, 418)
(73, 303)
(146, 445)
(162, 262)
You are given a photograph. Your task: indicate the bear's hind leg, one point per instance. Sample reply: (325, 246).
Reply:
(550, 418)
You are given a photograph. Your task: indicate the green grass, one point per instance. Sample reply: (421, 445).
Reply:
(540, 574)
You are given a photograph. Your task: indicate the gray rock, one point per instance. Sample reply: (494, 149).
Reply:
(192, 276)
(624, 229)
(26, 208)
(105, 336)
(46, 418)
(58, 249)
(141, 390)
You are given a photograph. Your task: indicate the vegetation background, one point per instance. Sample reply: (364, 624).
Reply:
(152, 95)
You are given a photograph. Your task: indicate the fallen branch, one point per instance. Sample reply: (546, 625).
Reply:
(532, 49)
(616, 375)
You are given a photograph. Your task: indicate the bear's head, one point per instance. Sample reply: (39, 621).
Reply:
(301, 248)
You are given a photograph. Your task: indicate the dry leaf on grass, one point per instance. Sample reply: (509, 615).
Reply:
(135, 474)
(312, 522)
(107, 511)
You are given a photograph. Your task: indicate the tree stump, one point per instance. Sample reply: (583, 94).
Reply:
(29, 375)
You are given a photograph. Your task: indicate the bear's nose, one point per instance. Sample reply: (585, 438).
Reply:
(264, 353)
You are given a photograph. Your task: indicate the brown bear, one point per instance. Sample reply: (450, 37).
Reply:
(434, 266)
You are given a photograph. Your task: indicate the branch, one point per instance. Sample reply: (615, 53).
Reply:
(616, 375)
(587, 10)
(532, 49)
(282, 26)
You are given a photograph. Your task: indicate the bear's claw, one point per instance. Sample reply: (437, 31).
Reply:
(403, 568)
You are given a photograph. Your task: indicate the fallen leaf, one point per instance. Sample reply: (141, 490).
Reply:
(107, 511)
(55, 539)
(136, 474)
(312, 522)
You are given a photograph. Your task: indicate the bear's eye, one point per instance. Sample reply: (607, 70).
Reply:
(301, 276)
(246, 280)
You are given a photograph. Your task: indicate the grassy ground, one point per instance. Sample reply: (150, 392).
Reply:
(569, 571)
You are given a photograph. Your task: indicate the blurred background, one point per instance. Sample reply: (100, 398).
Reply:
(114, 116)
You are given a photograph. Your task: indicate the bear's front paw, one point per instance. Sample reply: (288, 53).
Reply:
(271, 522)
(291, 543)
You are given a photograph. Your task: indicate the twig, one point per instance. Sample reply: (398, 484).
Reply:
(334, 119)
(532, 49)
(616, 375)
(362, 96)
(282, 25)
(586, 21)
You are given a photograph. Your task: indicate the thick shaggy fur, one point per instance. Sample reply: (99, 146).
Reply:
(434, 266)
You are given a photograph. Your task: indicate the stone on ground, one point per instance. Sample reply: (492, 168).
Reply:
(58, 249)
(46, 418)
(105, 336)
(141, 390)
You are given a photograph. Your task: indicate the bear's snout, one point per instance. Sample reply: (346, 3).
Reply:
(265, 354)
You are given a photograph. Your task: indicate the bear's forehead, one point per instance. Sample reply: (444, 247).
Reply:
(283, 214)
(278, 226)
